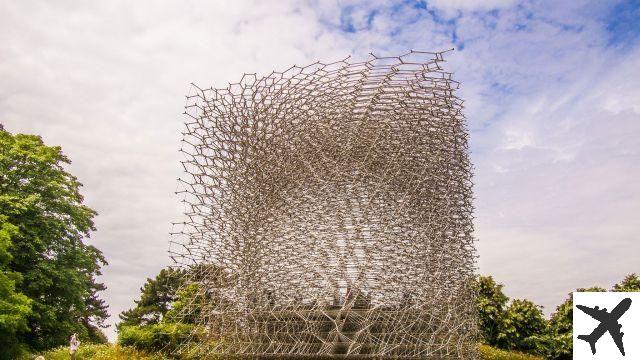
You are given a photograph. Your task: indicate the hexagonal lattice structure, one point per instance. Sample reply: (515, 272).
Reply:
(328, 213)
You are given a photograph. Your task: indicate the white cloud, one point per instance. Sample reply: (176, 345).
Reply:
(553, 111)
(470, 5)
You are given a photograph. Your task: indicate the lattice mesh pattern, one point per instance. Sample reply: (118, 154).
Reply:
(328, 213)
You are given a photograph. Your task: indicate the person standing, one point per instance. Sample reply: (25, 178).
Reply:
(74, 344)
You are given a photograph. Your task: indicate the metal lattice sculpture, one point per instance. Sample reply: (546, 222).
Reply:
(328, 213)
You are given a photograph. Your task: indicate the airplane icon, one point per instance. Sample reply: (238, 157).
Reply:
(608, 322)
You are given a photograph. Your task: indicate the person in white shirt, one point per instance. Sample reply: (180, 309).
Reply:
(74, 344)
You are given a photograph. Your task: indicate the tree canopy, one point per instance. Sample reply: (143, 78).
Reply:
(523, 327)
(491, 306)
(631, 283)
(156, 297)
(48, 271)
(15, 307)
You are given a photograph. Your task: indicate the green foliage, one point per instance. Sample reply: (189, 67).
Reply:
(560, 340)
(631, 283)
(491, 306)
(490, 353)
(99, 352)
(187, 306)
(521, 325)
(46, 259)
(166, 299)
(163, 337)
(15, 307)
(163, 318)
(156, 298)
(118, 352)
(523, 328)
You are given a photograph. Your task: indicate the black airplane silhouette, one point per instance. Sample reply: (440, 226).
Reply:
(608, 322)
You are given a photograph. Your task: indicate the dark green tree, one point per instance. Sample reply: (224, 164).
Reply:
(560, 341)
(187, 307)
(524, 327)
(491, 307)
(560, 345)
(561, 322)
(156, 298)
(164, 317)
(42, 203)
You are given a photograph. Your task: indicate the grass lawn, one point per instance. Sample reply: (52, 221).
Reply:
(115, 352)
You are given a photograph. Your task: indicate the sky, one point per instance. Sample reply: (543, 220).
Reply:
(551, 90)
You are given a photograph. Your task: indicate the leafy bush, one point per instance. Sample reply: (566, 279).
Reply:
(118, 352)
(164, 337)
(98, 352)
(560, 340)
(524, 328)
(489, 353)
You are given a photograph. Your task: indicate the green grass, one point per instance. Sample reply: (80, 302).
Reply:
(489, 353)
(99, 352)
(116, 352)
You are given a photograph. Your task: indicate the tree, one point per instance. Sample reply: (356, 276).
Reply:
(164, 317)
(156, 298)
(561, 322)
(188, 305)
(523, 328)
(42, 203)
(560, 342)
(15, 307)
(491, 306)
(631, 283)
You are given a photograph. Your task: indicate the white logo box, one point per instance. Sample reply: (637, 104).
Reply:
(584, 325)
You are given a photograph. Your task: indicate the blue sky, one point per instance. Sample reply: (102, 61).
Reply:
(552, 95)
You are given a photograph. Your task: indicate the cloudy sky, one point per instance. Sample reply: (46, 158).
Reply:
(552, 96)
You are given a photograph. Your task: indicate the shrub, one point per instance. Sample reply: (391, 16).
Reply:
(97, 352)
(524, 328)
(489, 353)
(164, 337)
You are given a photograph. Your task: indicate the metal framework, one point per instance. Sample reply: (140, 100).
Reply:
(328, 213)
